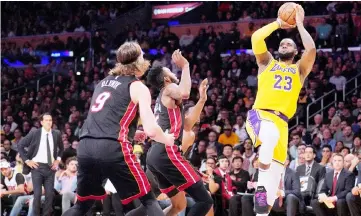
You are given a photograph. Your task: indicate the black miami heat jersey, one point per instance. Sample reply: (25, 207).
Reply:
(170, 120)
(112, 114)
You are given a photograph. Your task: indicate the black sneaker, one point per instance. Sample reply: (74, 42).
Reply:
(260, 200)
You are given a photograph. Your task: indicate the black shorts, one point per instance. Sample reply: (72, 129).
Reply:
(100, 159)
(172, 171)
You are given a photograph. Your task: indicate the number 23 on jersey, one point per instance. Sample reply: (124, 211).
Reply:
(282, 82)
(100, 101)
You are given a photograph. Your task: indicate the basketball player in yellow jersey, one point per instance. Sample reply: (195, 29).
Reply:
(279, 84)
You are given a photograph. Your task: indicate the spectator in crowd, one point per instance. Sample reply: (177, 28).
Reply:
(347, 137)
(289, 193)
(323, 32)
(13, 183)
(356, 147)
(199, 154)
(16, 140)
(9, 152)
(300, 160)
(240, 129)
(338, 80)
(239, 178)
(353, 198)
(211, 151)
(228, 137)
(357, 110)
(311, 168)
(212, 141)
(327, 139)
(65, 184)
(293, 146)
(338, 183)
(186, 39)
(228, 151)
(326, 157)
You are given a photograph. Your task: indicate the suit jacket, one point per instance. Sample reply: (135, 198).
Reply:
(32, 142)
(292, 183)
(317, 171)
(345, 182)
(11, 157)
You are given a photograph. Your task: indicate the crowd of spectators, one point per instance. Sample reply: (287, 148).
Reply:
(34, 18)
(247, 10)
(222, 145)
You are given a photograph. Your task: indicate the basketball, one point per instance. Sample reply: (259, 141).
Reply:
(287, 13)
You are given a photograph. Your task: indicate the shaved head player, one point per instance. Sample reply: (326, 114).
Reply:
(279, 84)
(105, 149)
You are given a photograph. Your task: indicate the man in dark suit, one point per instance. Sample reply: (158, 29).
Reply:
(353, 198)
(338, 183)
(289, 195)
(311, 168)
(9, 152)
(42, 158)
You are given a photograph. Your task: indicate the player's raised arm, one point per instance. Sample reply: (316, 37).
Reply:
(185, 83)
(259, 46)
(309, 56)
(140, 94)
(193, 115)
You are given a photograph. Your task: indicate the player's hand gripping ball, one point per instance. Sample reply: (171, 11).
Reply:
(287, 13)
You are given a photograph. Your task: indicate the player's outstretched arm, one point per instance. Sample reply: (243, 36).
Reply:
(140, 95)
(193, 114)
(185, 83)
(259, 46)
(308, 57)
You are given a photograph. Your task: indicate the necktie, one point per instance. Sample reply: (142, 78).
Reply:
(280, 199)
(334, 183)
(48, 153)
(308, 171)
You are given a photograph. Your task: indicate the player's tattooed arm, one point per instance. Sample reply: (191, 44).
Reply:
(193, 114)
(140, 95)
(308, 57)
(173, 91)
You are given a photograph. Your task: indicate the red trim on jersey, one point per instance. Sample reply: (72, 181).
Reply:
(183, 167)
(167, 190)
(175, 119)
(129, 157)
(90, 197)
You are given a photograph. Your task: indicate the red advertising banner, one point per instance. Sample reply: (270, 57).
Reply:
(242, 26)
(173, 10)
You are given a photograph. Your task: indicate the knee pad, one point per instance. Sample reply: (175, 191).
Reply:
(268, 132)
(269, 136)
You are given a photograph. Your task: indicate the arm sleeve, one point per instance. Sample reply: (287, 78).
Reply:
(19, 178)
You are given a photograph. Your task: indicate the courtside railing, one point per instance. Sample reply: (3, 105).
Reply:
(325, 101)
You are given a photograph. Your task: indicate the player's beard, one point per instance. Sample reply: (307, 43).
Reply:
(285, 56)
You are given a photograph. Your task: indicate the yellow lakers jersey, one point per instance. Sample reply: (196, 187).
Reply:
(278, 88)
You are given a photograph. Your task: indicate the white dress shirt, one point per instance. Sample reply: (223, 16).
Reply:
(41, 156)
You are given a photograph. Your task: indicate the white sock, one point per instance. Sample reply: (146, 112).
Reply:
(262, 215)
